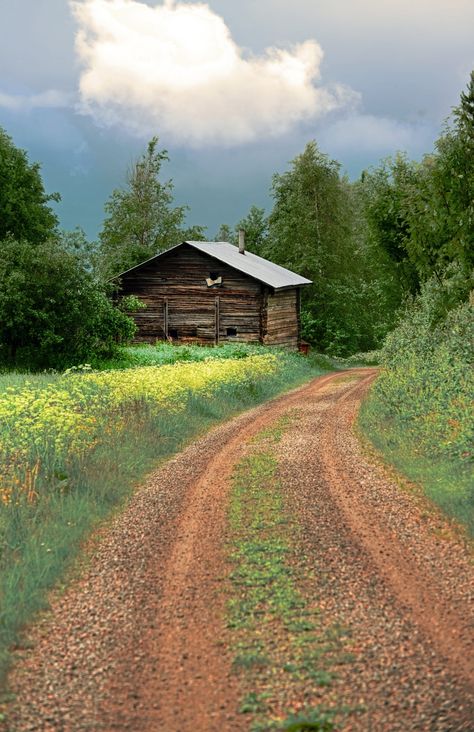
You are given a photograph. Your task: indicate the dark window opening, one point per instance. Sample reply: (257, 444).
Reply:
(193, 332)
(173, 333)
(214, 275)
(231, 331)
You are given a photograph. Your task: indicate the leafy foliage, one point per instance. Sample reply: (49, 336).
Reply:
(52, 312)
(382, 194)
(167, 353)
(75, 242)
(422, 215)
(24, 210)
(255, 225)
(316, 228)
(427, 385)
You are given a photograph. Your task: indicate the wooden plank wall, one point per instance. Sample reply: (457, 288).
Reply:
(282, 319)
(180, 279)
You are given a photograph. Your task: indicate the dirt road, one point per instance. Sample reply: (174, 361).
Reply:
(140, 642)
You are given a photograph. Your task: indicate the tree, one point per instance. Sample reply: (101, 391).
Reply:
(310, 233)
(24, 210)
(193, 233)
(422, 214)
(306, 223)
(384, 192)
(255, 225)
(75, 242)
(318, 228)
(52, 312)
(225, 233)
(441, 206)
(141, 220)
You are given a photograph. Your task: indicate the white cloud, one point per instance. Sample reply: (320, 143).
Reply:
(52, 98)
(174, 69)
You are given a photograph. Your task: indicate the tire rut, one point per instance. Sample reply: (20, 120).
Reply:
(449, 630)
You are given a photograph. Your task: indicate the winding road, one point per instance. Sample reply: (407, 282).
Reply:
(138, 641)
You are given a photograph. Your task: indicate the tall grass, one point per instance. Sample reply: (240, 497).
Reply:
(41, 532)
(15, 378)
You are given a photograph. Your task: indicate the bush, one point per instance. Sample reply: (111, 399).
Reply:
(52, 312)
(427, 383)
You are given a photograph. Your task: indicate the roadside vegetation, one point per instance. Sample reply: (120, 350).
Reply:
(420, 411)
(73, 446)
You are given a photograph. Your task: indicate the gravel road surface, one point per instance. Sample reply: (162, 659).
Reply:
(138, 641)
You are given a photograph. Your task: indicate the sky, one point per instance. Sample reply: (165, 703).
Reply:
(233, 89)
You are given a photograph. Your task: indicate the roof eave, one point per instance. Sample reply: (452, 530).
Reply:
(292, 287)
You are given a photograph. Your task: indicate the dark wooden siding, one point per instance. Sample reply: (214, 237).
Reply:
(282, 319)
(179, 279)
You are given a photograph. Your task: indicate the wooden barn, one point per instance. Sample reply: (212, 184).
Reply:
(211, 292)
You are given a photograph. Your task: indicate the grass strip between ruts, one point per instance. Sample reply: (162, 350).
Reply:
(283, 652)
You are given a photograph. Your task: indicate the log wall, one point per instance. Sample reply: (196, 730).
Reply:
(174, 289)
(282, 323)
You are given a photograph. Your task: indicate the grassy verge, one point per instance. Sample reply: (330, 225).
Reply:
(285, 652)
(40, 536)
(163, 354)
(447, 481)
(128, 357)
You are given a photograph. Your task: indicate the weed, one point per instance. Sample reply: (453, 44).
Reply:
(253, 703)
(250, 659)
(312, 720)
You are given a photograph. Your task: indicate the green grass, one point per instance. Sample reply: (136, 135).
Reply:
(17, 379)
(367, 358)
(167, 353)
(40, 541)
(282, 650)
(143, 355)
(445, 480)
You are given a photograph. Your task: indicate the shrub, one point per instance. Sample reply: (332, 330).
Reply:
(52, 312)
(427, 382)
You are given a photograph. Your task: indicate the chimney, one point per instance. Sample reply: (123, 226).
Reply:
(241, 241)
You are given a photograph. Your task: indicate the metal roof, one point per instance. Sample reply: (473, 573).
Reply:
(250, 264)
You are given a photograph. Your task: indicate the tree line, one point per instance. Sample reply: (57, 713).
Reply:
(368, 246)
